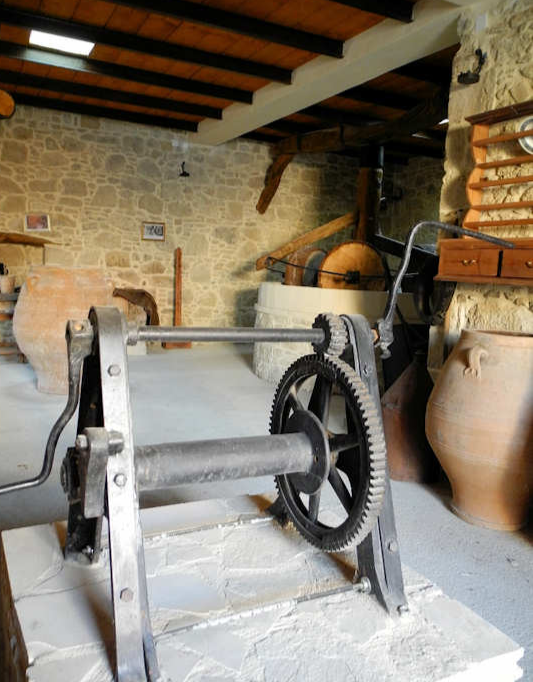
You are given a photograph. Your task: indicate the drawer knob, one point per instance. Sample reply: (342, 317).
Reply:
(529, 264)
(471, 261)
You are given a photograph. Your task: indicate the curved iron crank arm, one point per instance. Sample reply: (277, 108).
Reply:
(79, 337)
(383, 326)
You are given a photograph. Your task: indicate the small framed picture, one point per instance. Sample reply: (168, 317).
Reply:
(154, 232)
(37, 222)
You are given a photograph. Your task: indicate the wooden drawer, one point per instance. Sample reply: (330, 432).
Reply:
(468, 262)
(517, 263)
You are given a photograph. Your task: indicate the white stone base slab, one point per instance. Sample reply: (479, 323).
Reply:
(225, 587)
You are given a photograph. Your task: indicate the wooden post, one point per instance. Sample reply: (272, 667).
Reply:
(368, 196)
(177, 302)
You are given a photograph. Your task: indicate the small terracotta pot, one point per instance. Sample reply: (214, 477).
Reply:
(7, 284)
(479, 422)
(48, 299)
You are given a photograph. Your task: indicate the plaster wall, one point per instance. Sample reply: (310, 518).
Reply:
(505, 34)
(100, 179)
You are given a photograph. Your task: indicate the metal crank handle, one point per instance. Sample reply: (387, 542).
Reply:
(383, 327)
(79, 337)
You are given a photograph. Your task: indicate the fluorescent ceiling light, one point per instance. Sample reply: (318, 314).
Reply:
(55, 42)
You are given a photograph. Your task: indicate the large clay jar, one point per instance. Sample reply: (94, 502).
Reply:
(403, 405)
(49, 297)
(479, 422)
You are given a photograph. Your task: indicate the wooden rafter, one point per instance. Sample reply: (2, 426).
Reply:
(127, 41)
(240, 24)
(126, 73)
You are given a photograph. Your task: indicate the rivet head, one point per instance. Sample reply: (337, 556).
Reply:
(392, 546)
(120, 480)
(113, 370)
(126, 594)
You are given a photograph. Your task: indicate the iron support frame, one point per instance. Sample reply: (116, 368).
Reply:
(378, 555)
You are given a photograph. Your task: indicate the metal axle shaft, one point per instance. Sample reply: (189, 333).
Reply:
(204, 461)
(226, 334)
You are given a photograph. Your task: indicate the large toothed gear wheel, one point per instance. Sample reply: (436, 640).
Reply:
(355, 471)
(335, 335)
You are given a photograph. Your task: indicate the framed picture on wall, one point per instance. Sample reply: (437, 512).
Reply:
(154, 232)
(37, 222)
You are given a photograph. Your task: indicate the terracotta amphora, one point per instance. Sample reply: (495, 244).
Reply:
(479, 422)
(403, 405)
(49, 297)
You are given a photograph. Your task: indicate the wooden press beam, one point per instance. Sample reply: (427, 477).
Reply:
(425, 115)
(308, 238)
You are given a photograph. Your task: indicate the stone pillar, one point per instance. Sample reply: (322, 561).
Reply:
(505, 34)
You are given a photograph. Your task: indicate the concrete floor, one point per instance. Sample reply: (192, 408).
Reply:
(211, 392)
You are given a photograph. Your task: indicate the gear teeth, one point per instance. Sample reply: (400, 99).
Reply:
(335, 335)
(360, 521)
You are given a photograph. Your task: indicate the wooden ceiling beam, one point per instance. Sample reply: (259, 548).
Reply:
(394, 9)
(331, 115)
(126, 73)
(107, 94)
(383, 98)
(427, 73)
(104, 112)
(240, 24)
(386, 46)
(134, 43)
(261, 137)
(285, 125)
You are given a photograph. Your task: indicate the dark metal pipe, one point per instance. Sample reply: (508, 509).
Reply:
(205, 461)
(228, 334)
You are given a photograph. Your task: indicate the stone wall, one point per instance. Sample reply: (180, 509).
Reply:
(100, 179)
(505, 34)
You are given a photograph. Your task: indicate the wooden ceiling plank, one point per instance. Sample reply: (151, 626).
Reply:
(139, 44)
(241, 24)
(59, 8)
(126, 19)
(104, 112)
(67, 86)
(93, 11)
(123, 72)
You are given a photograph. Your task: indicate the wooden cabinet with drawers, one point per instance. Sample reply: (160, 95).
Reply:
(468, 260)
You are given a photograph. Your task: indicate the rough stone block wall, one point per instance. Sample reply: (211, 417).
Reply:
(505, 34)
(100, 179)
